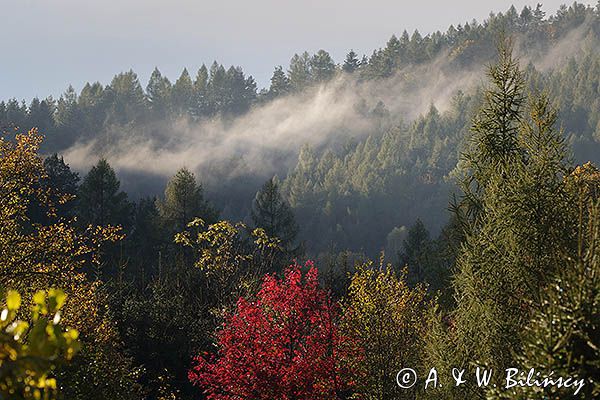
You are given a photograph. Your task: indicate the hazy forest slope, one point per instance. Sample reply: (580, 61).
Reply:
(362, 146)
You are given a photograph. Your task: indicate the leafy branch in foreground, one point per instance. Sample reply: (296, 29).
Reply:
(29, 351)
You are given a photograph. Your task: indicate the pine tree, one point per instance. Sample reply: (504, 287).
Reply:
(216, 89)
(60, 179)
(100, 201)
(393, 52)
(299, 73)
(322, 66)
(280, 84)
(351, 63)
(67, 119)
(239, 93)
(41, 115)
(493, 145)
(417, 248)
(94, 102)
(272, 213)
(159, 95)
(200, 105)
(183, 94)
(127, 99)
(184, 201)
(563, 333)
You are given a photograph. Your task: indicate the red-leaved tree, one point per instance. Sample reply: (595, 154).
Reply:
(283, 345)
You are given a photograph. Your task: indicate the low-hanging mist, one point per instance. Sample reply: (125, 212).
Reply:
(265, 140)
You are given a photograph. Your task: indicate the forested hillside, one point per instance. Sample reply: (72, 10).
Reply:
(178, 220)
(376, 137)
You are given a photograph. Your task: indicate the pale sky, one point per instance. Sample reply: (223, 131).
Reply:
(48, 44)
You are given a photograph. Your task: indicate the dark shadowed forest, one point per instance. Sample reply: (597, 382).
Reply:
(431, 204)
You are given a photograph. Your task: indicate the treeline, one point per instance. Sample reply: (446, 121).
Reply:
(124, 105)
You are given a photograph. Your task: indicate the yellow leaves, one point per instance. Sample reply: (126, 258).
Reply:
(585, 182)
(57, 299)
(13, 300)
(20, 169)
(216, 245)
(381, 293)
(34, 257)
(386, 318)
(264, 241)
(24, 365)
(196, 223)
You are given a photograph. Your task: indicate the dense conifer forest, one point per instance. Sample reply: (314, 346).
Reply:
(431, 204)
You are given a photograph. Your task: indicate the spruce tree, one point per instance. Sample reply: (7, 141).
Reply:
(272, 213)
(159, 95)
(183, 94)
(300, 73)
(280, 84)
(183, 201)
(351, 63)
(100, 200)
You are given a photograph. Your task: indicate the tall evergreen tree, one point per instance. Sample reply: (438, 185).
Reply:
(127, 99)
(200, 105)
(217, 89)
(60, 185)
(41, 115)
(240, 92)
(184, 201)
(518, 225)
(280, 84)
(322, 66)
(100, 200)
(159, 95)
(183, 94)
(351, 63)
(272, 213)
(67, 119)
(299, 73)
(94, 103)
(563, 332)
(62, 180)
(417, 247)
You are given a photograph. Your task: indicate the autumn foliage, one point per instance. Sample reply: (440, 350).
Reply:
(284, 344)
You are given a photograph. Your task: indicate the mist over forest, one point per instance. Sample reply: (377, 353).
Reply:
(341, 160)
(372, 128)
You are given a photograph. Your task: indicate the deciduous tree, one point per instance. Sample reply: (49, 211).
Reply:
(284, 344)
(384, 317)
